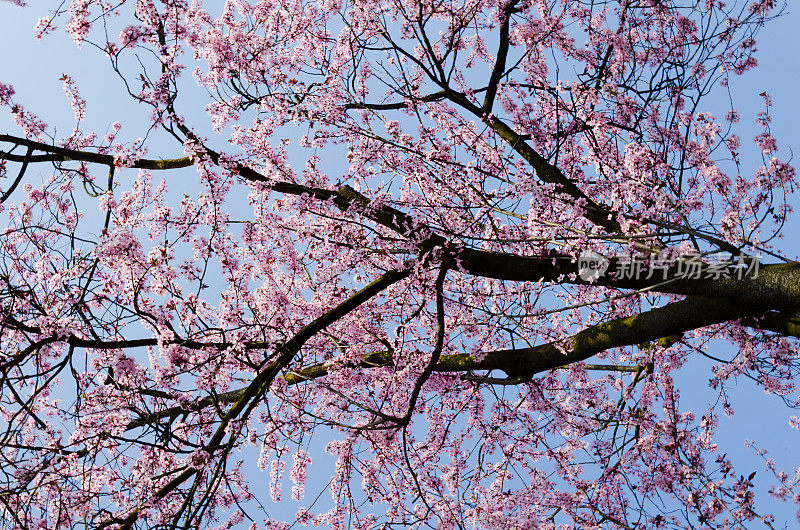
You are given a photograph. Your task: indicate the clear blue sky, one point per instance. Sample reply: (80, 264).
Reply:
(34, 68)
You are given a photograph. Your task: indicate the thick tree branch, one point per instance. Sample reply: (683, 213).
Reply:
(548, 173)
(787, 324)
(502, 54)
(522, 363)
(61, 154)
(672, 319)
(437, 349)
(777, 286)
(247, 400)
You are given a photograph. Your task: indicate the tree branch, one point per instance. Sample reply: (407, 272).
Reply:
(61, 154)
(502, 55)
(777, 286)
(672, 319)
(653, 325)
(248, 397)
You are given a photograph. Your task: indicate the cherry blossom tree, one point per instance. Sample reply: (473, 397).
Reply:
(469, 243)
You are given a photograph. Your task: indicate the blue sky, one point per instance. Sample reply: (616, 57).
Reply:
(34, 68)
